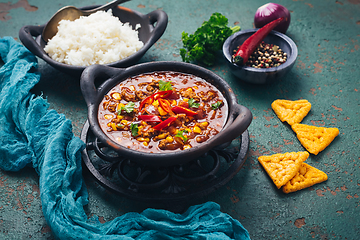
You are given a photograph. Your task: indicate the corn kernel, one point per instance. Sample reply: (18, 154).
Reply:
(119, 117)
(116, 96)
(145, 144)
(188, 130)
(185, 99)
(169, 139)
(108, 116)
(113, 126)
(161, 136)
(124, 122)
(189, 89)
(141, 139)
(197, 129)
(161, 111)
(119, 106)
(203, 125)
(147, 139)
(155, 103)
(186, 146)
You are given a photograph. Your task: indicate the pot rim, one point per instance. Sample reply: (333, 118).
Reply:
(117, 75)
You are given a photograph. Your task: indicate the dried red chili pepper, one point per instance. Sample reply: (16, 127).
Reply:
(248, 47)
(149, 118)
(164, 124)
(179, 109)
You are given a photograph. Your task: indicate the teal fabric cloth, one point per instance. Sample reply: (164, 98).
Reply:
(33, 135)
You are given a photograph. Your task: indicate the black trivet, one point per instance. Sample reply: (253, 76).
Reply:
(180, 183)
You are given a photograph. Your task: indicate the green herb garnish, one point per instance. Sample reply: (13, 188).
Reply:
(165, 86)
(216, 105)
(127, 108)
(207, 40)
(180, 134)
(134, 129)
(193, 104)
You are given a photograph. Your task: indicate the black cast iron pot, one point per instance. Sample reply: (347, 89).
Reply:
(239, 117)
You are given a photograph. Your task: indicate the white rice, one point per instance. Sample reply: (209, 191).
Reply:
(97, 39)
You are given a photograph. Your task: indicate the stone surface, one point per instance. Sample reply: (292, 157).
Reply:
(326, 73)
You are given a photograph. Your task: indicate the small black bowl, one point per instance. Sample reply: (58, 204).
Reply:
(152, 27)
(238, 120)
(260, 75)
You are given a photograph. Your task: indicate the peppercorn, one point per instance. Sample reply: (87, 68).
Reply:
(266, 56)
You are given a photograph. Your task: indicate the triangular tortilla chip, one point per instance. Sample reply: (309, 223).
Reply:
(314, 139)
(306, 177)
(291, 111)
(283, 167)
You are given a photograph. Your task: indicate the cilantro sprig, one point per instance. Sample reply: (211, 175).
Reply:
(216, 105)
(127, 108)
(134, 128)
(181, 135)
(207, 40)
(165, 86)
(192, 103)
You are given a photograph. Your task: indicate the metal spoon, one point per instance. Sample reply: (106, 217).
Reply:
(71, 13)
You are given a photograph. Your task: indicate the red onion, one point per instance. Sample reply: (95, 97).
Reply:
(270, 12)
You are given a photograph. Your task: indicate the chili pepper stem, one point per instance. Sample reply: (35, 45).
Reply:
(238, 60)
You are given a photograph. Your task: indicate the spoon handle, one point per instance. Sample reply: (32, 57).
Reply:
(104, 7)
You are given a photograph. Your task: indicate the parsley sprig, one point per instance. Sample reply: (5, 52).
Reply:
(207, 40)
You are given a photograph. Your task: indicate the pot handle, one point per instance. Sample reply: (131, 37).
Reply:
(27, 34)
(237, 127)
(161, 19)
(88, 79)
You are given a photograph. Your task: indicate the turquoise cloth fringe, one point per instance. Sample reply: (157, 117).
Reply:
(31, 134)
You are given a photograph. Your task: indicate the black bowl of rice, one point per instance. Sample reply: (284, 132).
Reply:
(118, 37)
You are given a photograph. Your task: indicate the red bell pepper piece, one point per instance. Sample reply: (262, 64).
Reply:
(149, 118)
(179, 109)
(164, 124)
(248, 47)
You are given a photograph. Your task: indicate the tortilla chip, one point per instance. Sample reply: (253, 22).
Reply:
(306, 177)
(314, 139)
(291, 111)
(283, 167)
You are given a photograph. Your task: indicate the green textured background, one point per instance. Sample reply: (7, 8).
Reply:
(326, 73)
